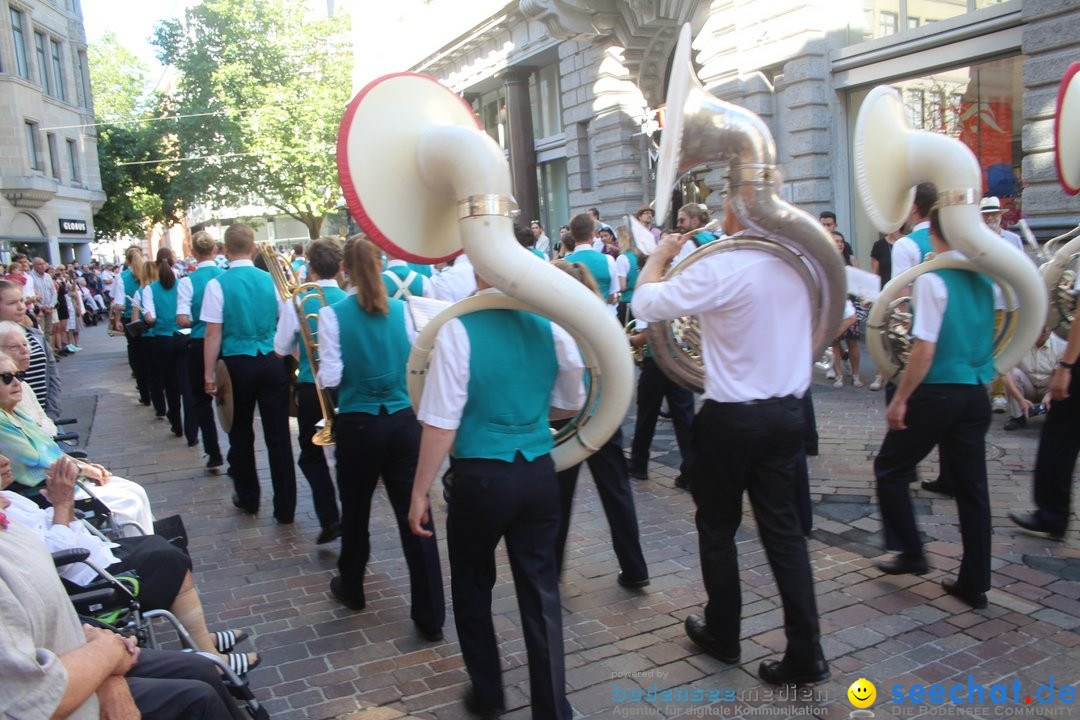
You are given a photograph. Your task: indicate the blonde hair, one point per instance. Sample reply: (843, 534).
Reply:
(203, 244)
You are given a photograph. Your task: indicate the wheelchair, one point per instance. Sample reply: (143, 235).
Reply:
(112, 603)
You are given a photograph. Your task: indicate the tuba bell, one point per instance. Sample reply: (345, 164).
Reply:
(890, 160)
(700, 128)
(410, 148)
(1060, 273)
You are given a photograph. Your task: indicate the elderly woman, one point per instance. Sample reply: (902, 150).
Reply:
(14, 342)
(42, 374)
(31, 451)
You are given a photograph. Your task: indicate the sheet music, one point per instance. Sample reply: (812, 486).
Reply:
(422, 309)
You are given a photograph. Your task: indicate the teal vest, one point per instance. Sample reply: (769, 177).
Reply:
(310, 304)
(250, 314)
(164, 309)
(424, 270)
(512, 369)
(631, 276)
(702, 237)
(374, 352)
(538, 254)
(597, 264)
(416, 287)
(131, 285)
(964, 353)
(921, 237)
(199, 278)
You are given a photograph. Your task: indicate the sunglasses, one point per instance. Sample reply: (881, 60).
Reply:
(8, 378)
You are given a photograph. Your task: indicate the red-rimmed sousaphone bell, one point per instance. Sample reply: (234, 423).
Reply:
(425, 182)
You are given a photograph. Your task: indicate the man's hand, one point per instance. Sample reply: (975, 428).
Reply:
(669, 246)
(1059, 383)
(114, 697)
(1025, 406)
(122, 651)
(210, 388)
(895, 414)
(419, 514)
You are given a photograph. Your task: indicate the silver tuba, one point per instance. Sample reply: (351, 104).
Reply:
(1060, 273)
(425, 181)
(700, 128)
(890, 160)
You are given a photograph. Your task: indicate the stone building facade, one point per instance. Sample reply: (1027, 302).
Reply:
(50, 183)
(570, 89)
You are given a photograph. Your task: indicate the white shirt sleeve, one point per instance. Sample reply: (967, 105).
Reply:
(28, 288)
(447, 387)
(930, 297)
(330, 365)
(569, 390)
(184, 293)
(622, 265)
(213, 304)
(285, 336)
(119, 299)
(905, 255)
(146, 302)
(701, 287)
(426, 289)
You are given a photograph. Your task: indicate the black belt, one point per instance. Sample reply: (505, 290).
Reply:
(766, 401)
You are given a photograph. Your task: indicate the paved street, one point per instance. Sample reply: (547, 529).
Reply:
(321, 660)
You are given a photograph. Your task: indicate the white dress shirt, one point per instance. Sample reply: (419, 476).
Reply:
(622, 270)
(447, 387)
(755, 323)
(425, 284)
(906, 253)
(456, 282)
(45, 287)
(930, 296)
(331, 364)
(185, 291)
(146, 302)
(288, 325)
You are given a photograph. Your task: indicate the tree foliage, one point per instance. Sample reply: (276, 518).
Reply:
(135, 150)
(264, 85)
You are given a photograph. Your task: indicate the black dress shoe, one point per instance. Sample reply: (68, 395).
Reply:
(1015, 423)
(976, 600)
(777, 673)
(473, 705)
(435, 635)
(193, 443)
(214, 462)
(631, 583)
(337, 588)
(284, 520)
(682, 482)
(937, 486)
(697, 631)
(638, 473)
(144, 401)
(178, 431)
(240, 506)
(1031, 523)
(903, 564)
(329, 533)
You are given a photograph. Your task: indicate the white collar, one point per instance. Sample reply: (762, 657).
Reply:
(206, 263)
(241, 263)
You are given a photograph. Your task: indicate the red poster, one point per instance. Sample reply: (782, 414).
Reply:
(986, 128)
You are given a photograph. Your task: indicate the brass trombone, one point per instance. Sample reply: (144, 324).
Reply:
(292, 291)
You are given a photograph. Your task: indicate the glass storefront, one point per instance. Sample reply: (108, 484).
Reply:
(881, 18)
(981, 105)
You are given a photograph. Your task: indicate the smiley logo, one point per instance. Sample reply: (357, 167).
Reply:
(862, 693)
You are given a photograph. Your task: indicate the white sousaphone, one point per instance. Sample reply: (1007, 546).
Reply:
(700, 128)
(890, 160)
(425, 182)
(1060, 273)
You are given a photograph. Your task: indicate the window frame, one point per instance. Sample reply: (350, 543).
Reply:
(18, 38)
(56, 52)
(73, 160)
(33, 149)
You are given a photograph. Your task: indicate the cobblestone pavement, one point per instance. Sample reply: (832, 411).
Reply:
(321, 660)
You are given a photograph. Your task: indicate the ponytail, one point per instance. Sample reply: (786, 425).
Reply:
(165, 272)
(362, 262)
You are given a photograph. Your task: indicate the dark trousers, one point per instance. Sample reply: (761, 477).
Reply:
(261, 380)
(202, 405)
(653, 387)
(608, 468)
(369, 446)
(1059, 445)
(488, 500)
(955, 418)
(802, 467)
(170, 359)
(312, 460)
(943, 479)
(173, 685)
(136, 346)
(741, 447)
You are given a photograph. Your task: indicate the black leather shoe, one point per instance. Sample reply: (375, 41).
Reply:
(1015, 423)
(284, 520)
(482, 711)
(1031, 523)
(777, 673)
(435, 635)
(240, 506)
(337, 589)
(638, 473)
(632, 583)
(214, 462)
(329, 533)
(697, 631)
(903, 564)
(976, 600)
(682, 482)
(936, 486)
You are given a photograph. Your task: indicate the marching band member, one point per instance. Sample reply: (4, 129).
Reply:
(323, 264)
(600, 265)
(146, 276)
(189, 298)
(363, 349)
(240, 309)
(941, 399)
(403, 281)
(489, 409)
(169, 347)
(691, 221)
(124, 287)
(455, 282)
(756, 344)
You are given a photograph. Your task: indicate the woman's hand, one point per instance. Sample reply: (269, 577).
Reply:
(60, 489)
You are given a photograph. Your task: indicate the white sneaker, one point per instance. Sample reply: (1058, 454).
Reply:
(876, 385)
(1000, 404)
(857, 381)
(830, 374)
(73, 348)
(839, 383)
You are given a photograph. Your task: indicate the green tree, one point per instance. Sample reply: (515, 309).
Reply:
(135, 151)
(261, 91)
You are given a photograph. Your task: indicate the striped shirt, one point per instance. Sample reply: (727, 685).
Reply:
(37, 376)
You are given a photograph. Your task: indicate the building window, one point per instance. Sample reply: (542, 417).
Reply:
(82, 87)
(73, 160)
(54, 155)
(912, 22)
(32, 145)
(21, 62)
(491, 109)
(913, 101)
(546, 100)
(554, 196)
(887, 23)
(58, 69)
(42, 63)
